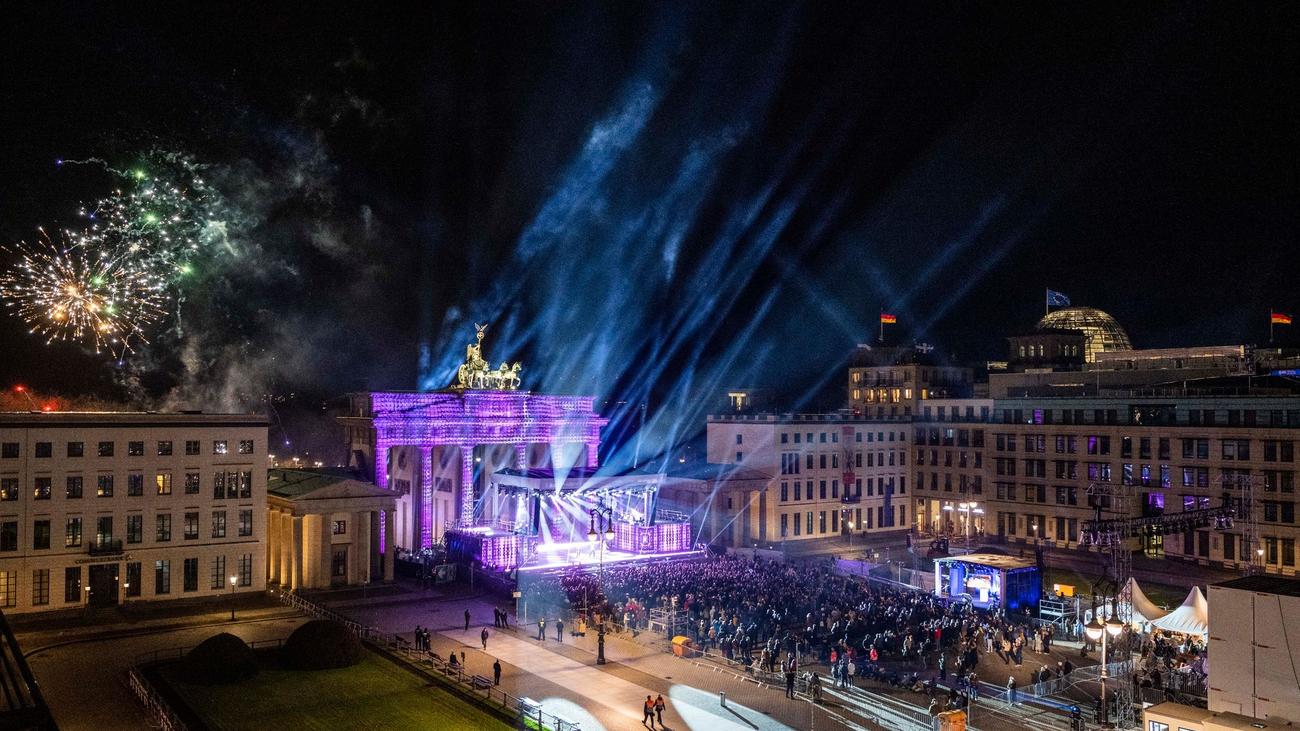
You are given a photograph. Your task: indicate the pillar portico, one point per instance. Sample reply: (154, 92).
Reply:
(423, 503)
(466, 515)
(390, 554)
(359, 553)
(324, 575)
(286, 548)
(273, 539)
(296, 560)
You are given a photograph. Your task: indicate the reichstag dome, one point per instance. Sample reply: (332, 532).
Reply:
(1101, 332)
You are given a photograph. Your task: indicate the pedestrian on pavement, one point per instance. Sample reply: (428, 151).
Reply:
(1011, 690)
(659, 710)
(496, 672)
(496, 617)
(541, 629)
(417, 638)
(466, 620)
(559, 630)
(789, 678)
(462, 658)
(483, 636)
(505, 619)
(648, 712)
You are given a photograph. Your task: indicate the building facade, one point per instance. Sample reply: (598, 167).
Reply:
(831, 475)
(105, 508)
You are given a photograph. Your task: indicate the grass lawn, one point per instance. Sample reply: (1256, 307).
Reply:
(374, 694)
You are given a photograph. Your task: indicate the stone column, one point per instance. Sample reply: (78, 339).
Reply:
(272, 546)
(390, 555)
(286, 548)
(466, 514)
(296, 559)
(381, 462)
(323, 567)
(422, 501)
(593, 455)
(521, 456)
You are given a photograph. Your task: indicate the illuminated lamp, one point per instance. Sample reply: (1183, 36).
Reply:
(1094, 628)
(1114, 626)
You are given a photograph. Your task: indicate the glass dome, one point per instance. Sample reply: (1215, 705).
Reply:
(1100, 331)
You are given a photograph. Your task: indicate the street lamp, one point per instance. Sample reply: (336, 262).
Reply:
(851, 527)
(233, 579)
(603, 537)
(1098, 630)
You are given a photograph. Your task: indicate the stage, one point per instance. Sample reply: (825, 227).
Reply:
(541, 519)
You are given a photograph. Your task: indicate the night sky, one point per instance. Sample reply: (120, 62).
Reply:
(652, 202)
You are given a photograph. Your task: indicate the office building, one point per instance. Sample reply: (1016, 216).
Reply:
(104, 508)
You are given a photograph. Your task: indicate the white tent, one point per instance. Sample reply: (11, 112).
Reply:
(1192, 618)
(1144, 610)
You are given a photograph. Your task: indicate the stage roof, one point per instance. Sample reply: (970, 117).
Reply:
(992, 560)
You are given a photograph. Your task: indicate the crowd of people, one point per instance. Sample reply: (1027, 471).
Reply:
(783, 618)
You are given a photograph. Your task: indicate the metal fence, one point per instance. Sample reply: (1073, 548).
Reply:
(160, 713)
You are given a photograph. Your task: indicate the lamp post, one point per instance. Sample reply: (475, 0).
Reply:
(233, 580)
(1259, 553)
(606, 515)
(851, 527)
(1096, 630)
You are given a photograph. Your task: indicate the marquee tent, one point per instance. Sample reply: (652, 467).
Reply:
(1192, 618)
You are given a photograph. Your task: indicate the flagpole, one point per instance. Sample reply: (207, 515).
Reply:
(1270, 325)
(882, 326)
(1047, 301)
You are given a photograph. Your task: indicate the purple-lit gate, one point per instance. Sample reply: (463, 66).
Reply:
(469, 418)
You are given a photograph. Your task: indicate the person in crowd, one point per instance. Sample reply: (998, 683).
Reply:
(483, 636)
(496, 672)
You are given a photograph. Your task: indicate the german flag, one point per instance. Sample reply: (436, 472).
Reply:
(1276, 318)
(888, 319)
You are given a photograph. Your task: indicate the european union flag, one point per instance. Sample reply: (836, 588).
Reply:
(1057, 299)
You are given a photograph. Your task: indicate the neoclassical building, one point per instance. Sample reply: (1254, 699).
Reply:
(323, 530)
(436, 451)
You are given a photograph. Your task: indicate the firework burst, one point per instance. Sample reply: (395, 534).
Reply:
(84, 288)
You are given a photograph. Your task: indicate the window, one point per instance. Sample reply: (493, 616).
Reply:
(8, 488)
(164, 449)
(163, 532)
(44, 450)
(218, 524)
(220, 446)
(40, 535)
(191, 483)
(72, 584)
(40, 587)
(106, 449)
(8, 588)
(1157, 726)
(218, 573)
(133, 578)
(162, 577)
(134, 485)
(74, 487)
(103, 530)
(190, 575)
(785, 491)
(740, 456)
(785, 525)
(246, 523)
(9, 450)
(191, 447)
(9, 535)
(246, 570)
(104, 486)
(135, 449)
(163, 481)
(76, 449)
(134, 528)
(72, 532)
(42, 488)
(340, 526)
(191, 526)
(218, 485)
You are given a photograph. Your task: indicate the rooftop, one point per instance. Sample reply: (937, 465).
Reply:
(1263, 584)
(27, 419)
(290, 484)
(993, 560)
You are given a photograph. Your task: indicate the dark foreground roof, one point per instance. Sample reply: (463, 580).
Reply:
(1264, 584)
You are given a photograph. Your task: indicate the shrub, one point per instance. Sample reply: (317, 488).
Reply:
(222, 658)
(321, 644)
